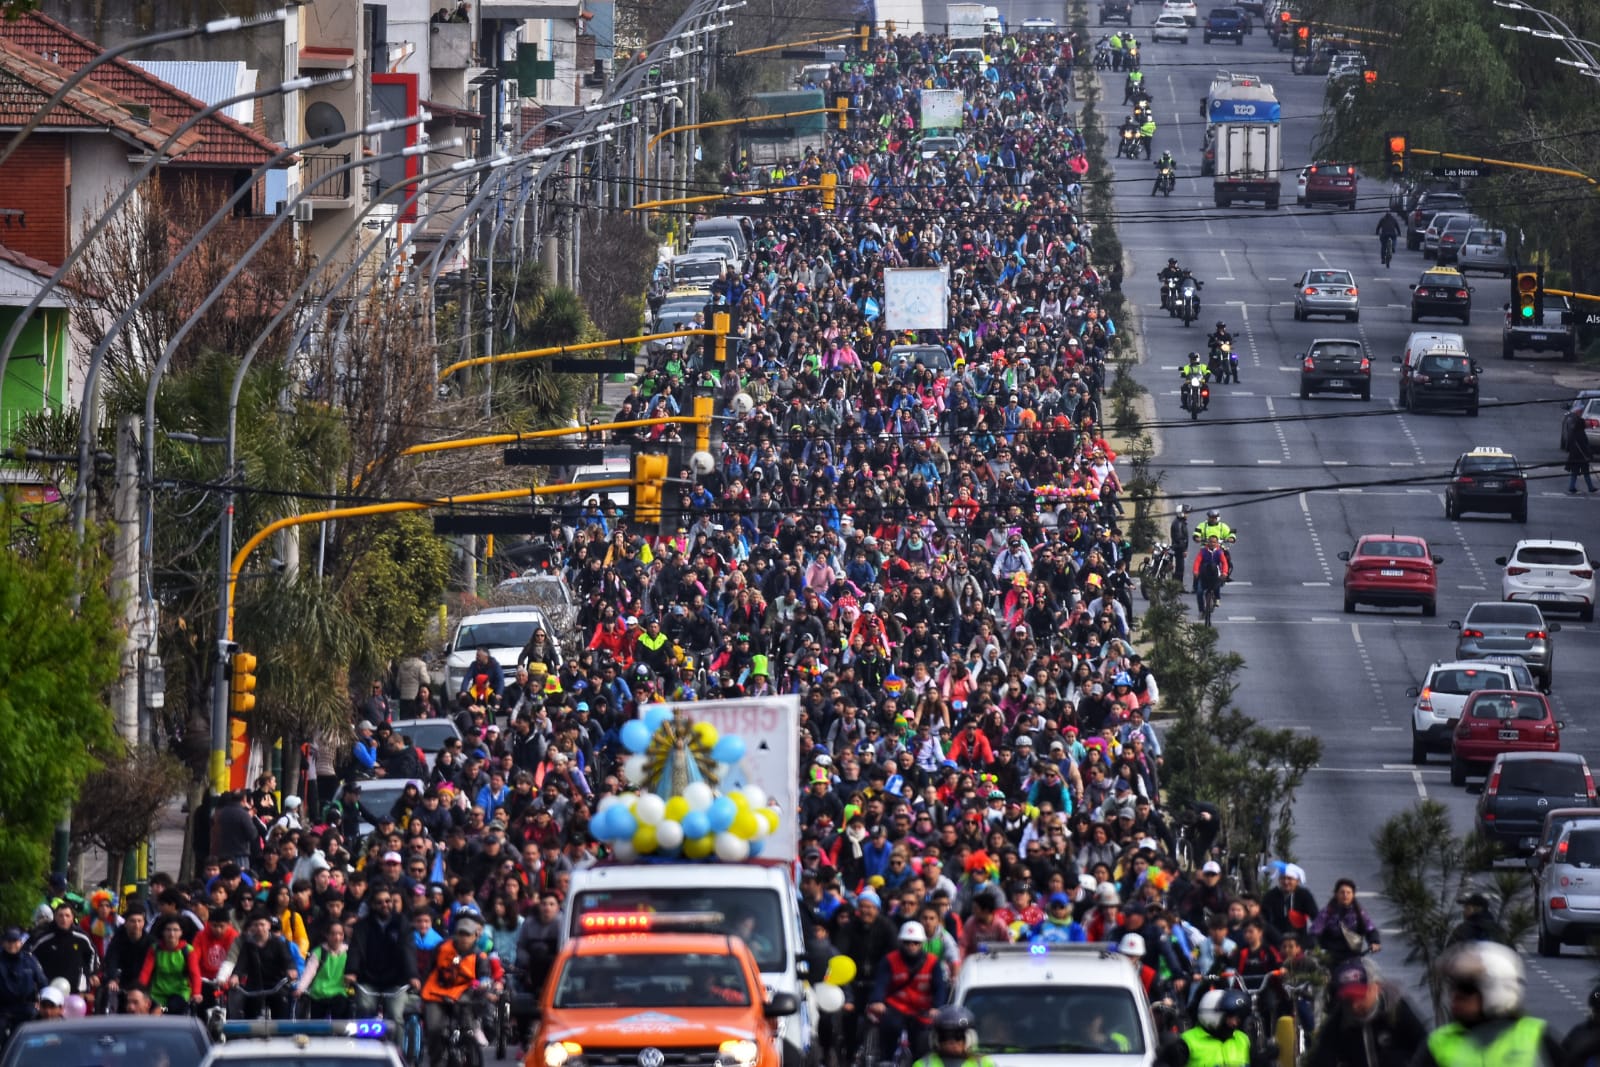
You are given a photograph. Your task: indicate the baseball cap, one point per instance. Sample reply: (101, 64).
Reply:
(364, 725)
(1211, 867)
(1351, 980)
(391, 857)
(1059, 900)
(13, 933)
(52, 995)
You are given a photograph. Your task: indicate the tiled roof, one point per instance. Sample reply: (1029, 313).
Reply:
(222, 141)
(27, 81)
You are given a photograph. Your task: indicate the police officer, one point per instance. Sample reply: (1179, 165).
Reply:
(1147, 133)
(1116, 51)
(955, 1040)
(1134, 85)
(1219, 1040)
(1178, 531)
(910, 983)
(1190, 370)
(1484, 987)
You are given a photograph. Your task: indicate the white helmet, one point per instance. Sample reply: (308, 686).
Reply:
(1494, 970)
(1087, 883)
(1131, 946)
(913, 931)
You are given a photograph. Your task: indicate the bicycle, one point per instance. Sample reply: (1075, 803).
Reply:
(280, 994)
(1253, 986)
(212, 1009)
(409, 1035)
(460, 1048)
(1386, 248)
(1208, 602)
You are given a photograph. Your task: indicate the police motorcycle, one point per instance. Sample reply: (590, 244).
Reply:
(1166, 178)
(1195, 396)
(1187, 304)
(1128, 143)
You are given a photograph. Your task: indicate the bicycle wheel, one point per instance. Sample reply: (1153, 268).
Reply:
(867, 1055)
(412, 1049)
(1184, 853)
(1209, 605)
(502, 1028)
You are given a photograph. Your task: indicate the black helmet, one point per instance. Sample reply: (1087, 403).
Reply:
(954, 1021)
(1172, 262)
(641, 671)
(1221, 325)
(1194, 355)
(1213, 514)
(1233, 1002)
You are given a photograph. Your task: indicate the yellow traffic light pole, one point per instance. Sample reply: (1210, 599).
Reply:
(742, 121)
(650, 205)
(843, 35)
(1537, 168)
(721, 322)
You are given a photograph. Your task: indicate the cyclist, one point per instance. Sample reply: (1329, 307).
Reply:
(1223, 532)
(955, 1040)
(171, 971)
(1211, 571)
(382, 958)
(1364, 1013)
(459, 967)
(257, 971)
(909, 983)
(1389, 229)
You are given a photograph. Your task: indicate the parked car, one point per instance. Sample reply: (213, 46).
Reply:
(1583, 411)
(1495, 721)
(1556, 575)
(1452, 236)
(1521, 787)
(1426, 208)
(1492, 627)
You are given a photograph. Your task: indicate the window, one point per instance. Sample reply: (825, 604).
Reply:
(1583, 848)
(1075, 1020)
(617, 980)
(1488, 465)
(1505, 615)
(1433, 364)
(1462, 682)
(494, 634)
(1549, 556)
(1542, 778)
(1394, 549)
(753, 914)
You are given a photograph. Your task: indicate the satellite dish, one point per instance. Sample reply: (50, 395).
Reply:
(323, 120)
(744, 403)
(702, 463)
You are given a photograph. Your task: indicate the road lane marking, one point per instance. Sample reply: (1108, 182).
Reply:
(1269, 462)
(1316, 585)
(1229, 277)
(1422, 790)
(1277, 426)
(1316, 538)
(1368, 669)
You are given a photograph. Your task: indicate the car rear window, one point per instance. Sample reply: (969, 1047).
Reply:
(1542, 778)
(1486, 464)
(1526, 706)
(1491, 238)
(1583, 848)
(1444, 365)
(1463, 681)
(1338, 351)
(1329, 277)
(1505, 613)
(1394, 549)
(1547, 556)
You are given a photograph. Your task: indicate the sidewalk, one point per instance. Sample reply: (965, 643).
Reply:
(166, 849)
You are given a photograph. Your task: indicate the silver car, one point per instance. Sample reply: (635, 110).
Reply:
(1327, 292)
(1584, 411)
(1569, 888)
(1485, 251)
(429, 735)
(1430, 236)
(1494, 628)
(1452, 236)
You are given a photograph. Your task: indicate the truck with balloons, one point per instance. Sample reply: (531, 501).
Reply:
(708, 830)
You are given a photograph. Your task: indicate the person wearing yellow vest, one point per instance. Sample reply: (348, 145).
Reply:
(1483, 983)
(955, 1040)
(1219, 1040)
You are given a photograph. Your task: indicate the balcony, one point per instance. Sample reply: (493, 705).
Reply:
(316, 165)
(450, 45)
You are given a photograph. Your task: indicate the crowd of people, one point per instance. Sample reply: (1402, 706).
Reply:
(931, 553)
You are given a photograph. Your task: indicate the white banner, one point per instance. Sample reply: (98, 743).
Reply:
(942, 109)
(916, 298)
(770, 728)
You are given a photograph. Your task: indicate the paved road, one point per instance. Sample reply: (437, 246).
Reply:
(1299, 492)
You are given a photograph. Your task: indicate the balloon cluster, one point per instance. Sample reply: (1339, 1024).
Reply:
(829, 993)
(678, 811)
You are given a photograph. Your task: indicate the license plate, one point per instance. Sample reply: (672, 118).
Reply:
(1393, 574)
(1547, 596)
(1539, 337)
(1492, 484)
(1509, 735)
(1336, 383)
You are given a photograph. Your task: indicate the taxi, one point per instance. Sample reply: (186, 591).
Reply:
(1441, 292)
(627, 994)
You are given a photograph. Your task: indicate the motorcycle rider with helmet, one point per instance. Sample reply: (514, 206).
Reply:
(1224, 368)
(1582, 1042)
(1171, 272)
(1218, 1039)
(955, 1040)
(1484, 988)
(1189, 371)
(1165, 163)
(910, 983)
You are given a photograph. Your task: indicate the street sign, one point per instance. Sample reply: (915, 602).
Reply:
(500, 525)
(560, 456)
(1592, 319)
(1473, 171)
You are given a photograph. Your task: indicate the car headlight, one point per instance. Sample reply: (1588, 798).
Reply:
(557, 1053)
(738, 1053)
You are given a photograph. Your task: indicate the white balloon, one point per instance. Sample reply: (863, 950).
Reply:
(623, 851)
(610, 800)
(731, 849)
(755, 795)
(650, 809)
(698, 796)
(829, 998)
(633, 767)
(61, 985)
(669, 834)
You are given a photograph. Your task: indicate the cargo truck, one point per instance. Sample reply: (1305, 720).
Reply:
(1248, 142)
(964, 22)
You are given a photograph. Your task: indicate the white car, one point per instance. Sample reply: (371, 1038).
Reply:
(503, 631)
(1170, 28)
(1185, 8)
(337, 1043)
(1444, 691)
(1038, 25)
(1061, 984)
(1556, 575)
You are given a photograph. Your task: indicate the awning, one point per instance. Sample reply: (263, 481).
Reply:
(453, 116)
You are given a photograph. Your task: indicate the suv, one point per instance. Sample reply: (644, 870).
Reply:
(1438, 376)
(1569, 899)
(1521, 787)
(1444, 692)
(1427, 207)
(1331, 183)
(1493, 627)
(1225, 23)
(1487, 479)
(1552, 333)
(504, 631)
(1061, 984)
(1556, 575)
(1116, 9)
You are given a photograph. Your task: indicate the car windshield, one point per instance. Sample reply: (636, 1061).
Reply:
(1583, 848)
(82, 1046)
(1461, 681)
(429, 735)
(752, 914)
(1328, 277)
(1085, 1020)
(1550, 556)
(1526, 707)
(652, 980)
(705, 268)
(379, 797)
(500, 634)
(1505, 615)
(1394, 549)
(1542, 778)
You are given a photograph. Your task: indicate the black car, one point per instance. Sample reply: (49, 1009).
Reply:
(1487, 480)
(1335, 366)
(1441, 293)
(1226, 24)
(1521, 788)
(101, 1040)
(1427, 207)
(1439, 376)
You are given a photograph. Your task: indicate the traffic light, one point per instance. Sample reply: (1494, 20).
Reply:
(238, 740)
(842, 105)
(241, 683)
(649, 472)
(704, 408)
(863, 36)
(1397, 153)
(1527, 295)
(722, 325)
(830, 191)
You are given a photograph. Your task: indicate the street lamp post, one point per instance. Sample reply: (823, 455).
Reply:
(1555, 30)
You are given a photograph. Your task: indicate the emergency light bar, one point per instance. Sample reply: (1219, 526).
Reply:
(639, 922)
(371, 1029)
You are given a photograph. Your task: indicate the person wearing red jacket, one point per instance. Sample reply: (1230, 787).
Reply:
(211, 945)
(972, 747)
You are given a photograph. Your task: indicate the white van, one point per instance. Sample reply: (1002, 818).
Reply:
(723, 226)
(1422, 340)
(757, 901)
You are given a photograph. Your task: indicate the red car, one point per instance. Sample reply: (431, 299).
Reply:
(1331, 183)
(1500, 720)
(1389, 570)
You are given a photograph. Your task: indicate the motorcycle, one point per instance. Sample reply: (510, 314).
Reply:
(1196, 395)
(1141, 112)
(1128, 145)
(1166, 181)
(1188, 304)
(1102, 56)
(1224, 362)
(1169, 296)
(1160, 566)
